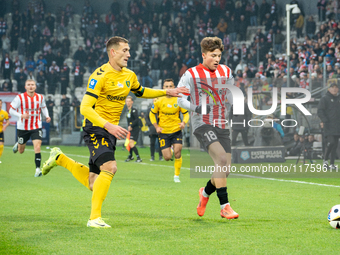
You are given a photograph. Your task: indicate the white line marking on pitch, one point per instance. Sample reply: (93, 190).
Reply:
(240, 175)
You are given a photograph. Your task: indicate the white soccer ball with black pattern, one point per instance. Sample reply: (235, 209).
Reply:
(334, 217)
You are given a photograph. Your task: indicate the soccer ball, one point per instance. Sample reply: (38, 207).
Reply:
(334, 216)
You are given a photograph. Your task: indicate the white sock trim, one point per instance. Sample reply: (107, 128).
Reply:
(222, 206)
(204, 194)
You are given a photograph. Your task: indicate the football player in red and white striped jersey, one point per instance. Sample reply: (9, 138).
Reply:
(28, 107)
(205, 82)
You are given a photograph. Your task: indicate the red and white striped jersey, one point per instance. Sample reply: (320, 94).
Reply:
(208, 85)
(23, 103)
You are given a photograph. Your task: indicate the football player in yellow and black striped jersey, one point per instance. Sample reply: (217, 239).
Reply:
(170, 126)
(102, 106)
(3, 116)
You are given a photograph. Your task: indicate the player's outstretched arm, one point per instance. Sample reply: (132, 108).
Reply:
(153, 93)
(177, 92)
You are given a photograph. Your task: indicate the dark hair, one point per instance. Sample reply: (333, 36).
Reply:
(113, 41)
(169, 80)
(209, 44)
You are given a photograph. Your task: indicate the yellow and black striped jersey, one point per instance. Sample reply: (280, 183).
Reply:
(168, 114)
(106, 92)
(3, 116)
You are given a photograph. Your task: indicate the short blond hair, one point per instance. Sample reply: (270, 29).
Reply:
(30, 80)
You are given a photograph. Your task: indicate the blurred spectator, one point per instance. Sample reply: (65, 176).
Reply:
(50, 105)
(41, 63)
(52, 81)
(264, 9)
(35, 34)
(65, 46)
(253, 13)
(242, 28)
(78, 72)
(50, 20)
(76, 107)
(55, 45)
(222, 28)
(41, 81)
(54, 67)
(6, 86)
(321, 5)
(156, 63)
(64, 80)
(146, 45)
(232, 29)
(59, 59)
(50, 57)
(299, 25)
(3, 26)
(310, 27)
(6, 45)
(91, 60)
(80, 55)
(65, 104)
(15, 33)
(144, 74)
(21, 78)
(279, 40)
(7, 67)
(154, 43)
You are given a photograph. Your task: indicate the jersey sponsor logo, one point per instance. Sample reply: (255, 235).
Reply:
(115, 98)
(120, 85)
(92, 84)
(169, 113)
(169, 106)
(127, 84)
(153, 106)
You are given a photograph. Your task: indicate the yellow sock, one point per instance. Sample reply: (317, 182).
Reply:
(79, 171)
(100, 188)
(1, 149)
(178, 165)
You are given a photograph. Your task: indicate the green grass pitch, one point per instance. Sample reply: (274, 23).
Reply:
(150, 214)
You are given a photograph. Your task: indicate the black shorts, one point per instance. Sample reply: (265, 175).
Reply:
(134, 134)
(102, 146)
(2, 139)
(208, 134)
(25, 135)
(166, 140)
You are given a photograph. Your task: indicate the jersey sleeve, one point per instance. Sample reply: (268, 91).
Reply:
(185, 115)
(142, 92)
(44, 108)
(153, 112)
(93, 90)
(183, 101)
(6, 116)
(16, 103)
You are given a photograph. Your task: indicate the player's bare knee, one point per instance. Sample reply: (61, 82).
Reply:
(178, 155)
(91, 186)
(166, 158)
(222, 160)
(21, 151)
